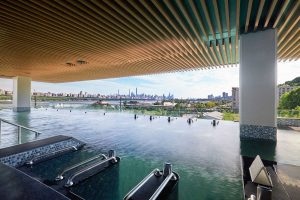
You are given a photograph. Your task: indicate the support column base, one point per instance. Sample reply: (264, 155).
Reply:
(258, 132)
(21, 109)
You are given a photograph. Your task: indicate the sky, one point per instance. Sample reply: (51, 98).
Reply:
(193, 84)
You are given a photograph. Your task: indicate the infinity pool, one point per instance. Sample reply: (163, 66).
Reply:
(207, 158)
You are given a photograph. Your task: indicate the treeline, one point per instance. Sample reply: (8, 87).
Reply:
(290, 100)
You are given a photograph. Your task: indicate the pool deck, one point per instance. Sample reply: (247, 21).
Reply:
(18, 185)
(15, 184)
(285, 178)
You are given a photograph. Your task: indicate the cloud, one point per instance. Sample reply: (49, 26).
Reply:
(288, 71)
(184, 84)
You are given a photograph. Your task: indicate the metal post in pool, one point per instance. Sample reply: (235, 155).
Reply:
(19, 135)
(0, 129)
(167, 169)
(35, 101)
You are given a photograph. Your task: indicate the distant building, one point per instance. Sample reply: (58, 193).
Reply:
(282, 89)
(235, 99)
(210, 97)
(8, 93)
(225, 95)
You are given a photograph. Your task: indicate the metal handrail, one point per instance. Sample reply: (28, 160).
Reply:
(20, 127)
(70, 179)
(161, 187)
(41, 157)
(60, 176)
(140, 184)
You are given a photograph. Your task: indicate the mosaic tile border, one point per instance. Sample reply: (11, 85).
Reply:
(19, 159)
(258, 132)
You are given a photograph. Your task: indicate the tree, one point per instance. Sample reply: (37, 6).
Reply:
(210, 104)
(294, 82)
(290, 100)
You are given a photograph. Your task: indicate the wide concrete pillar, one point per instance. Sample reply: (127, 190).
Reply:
(258, 85)
(21, 93)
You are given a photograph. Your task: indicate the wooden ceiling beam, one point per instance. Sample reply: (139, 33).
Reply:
(282, 9)
(249, 8)
(270, 12)
(260, 8)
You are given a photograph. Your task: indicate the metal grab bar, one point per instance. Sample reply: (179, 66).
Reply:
(140, 184)
(72, 177)
(49, 155)
(60, 176)
(20, 127)
(162, 186)
(141, 190)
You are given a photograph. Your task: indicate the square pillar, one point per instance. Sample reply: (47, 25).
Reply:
(21, 93)
(258, 85)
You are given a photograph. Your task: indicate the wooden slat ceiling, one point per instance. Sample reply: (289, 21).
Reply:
(72, 40)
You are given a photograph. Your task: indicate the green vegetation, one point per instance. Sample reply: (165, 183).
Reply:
(4, 97)
(44, 98)
(294, 82)
(289, 103)
(231, 116)
(290, 100)
(290, 113)
(209, 104)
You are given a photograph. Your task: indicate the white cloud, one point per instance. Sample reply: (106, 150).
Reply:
(288, 71)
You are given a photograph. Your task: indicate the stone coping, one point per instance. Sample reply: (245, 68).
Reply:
(18, 185)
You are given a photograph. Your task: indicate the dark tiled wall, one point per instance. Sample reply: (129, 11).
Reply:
(20, 158)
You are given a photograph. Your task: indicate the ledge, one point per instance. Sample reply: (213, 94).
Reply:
(17, 185)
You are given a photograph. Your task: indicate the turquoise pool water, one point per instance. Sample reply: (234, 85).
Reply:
(207, 158)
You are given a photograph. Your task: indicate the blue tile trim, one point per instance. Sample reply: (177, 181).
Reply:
(19, 159)
(258, 132)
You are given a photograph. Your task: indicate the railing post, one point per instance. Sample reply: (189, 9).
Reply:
(19, 135)
(0, 128)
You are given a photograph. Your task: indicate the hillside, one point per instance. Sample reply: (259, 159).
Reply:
(294, 82)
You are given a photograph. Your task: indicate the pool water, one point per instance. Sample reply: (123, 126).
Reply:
(207, 158)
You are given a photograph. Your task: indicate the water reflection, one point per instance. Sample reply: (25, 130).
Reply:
(266, 149)
(24, 119)
(205, 157)
(174, 193)
(107, 183)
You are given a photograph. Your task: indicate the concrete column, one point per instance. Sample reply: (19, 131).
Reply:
(258, 85)
(21, 93)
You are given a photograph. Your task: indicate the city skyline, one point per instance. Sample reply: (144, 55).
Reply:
(193, 84)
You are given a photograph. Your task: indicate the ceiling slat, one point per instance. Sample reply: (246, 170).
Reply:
(250, 2)
(274, 2)
(46, 38)
(260, 8)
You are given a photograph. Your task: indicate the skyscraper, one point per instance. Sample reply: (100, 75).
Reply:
(235, 99)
